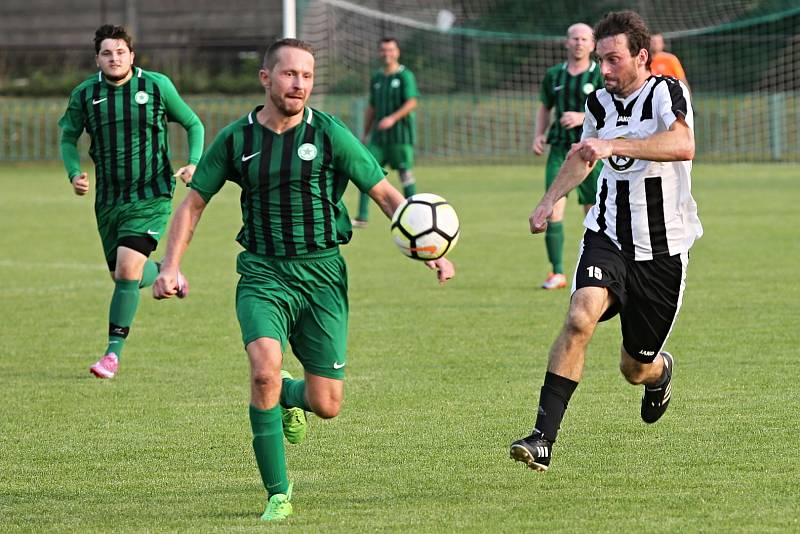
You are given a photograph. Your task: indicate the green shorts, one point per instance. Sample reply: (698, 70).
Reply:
(302, 300)
(147, 218)
(587, 190)
(398, 157)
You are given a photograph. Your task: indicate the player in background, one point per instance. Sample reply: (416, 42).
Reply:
(293, 164)
(564, 89)
(391, 119)
(663, 63)
(635, 249)
(125, 110)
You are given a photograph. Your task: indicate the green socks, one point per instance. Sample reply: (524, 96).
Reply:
(293, 394)
(269, 448)
(554, 240)
(149, 273)
(120, 316)
(123, 306)
(363, 207)
(410, 189)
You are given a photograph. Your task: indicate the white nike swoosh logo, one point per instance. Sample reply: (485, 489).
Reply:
(98, 101)
(558, 88)
(251, 156)
(337, 365)
(150, 232)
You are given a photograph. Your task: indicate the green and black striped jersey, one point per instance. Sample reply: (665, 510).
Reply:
(567, 93)
(127, 126)
(292, 183)
(387, 94)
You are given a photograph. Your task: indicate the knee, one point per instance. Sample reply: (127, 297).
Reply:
(326, 407)
(406, 177)
(634, 372)
(579, 323)
(266, 380)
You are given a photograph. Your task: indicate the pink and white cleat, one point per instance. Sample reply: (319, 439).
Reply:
(183, 286)
(555, 281)
(106, 367)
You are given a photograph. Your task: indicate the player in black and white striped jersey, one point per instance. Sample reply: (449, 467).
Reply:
(635, 249)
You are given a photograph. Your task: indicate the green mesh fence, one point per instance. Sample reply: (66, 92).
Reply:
(480, 77)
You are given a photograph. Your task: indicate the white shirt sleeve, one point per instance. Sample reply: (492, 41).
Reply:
(589, 124)
(672, 100)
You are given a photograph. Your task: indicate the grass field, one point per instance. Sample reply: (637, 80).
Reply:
(440, 380)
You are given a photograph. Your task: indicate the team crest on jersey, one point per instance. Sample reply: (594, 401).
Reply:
(395, 83)
(307, 152)
(588, 88)
(621, 163)
(141, 97)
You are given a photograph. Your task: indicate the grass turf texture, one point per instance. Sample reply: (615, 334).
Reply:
(440, 380)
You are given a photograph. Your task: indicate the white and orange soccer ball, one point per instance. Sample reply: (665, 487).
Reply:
(425, 227)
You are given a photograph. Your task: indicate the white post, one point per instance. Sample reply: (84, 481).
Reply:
(289, 19)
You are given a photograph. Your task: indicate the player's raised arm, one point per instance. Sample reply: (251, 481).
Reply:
(676, 144)
(178, 111)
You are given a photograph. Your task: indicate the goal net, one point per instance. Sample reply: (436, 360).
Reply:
(479, 66)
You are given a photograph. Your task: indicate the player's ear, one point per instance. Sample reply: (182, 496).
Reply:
(263, 77)
(133, 56)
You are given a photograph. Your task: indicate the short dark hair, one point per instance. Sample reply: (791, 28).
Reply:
(390, 40)
(271, 56)
(109, 31)
(629, 23)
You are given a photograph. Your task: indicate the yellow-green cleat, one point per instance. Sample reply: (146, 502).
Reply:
(279, 506)
(295, 422)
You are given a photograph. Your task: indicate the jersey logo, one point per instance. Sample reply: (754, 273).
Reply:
(251, 156)
(588, 88)
(141, 97)
(337, 365)
(377, 85)
(558, 87)
(621, 163)
(95, 102)
(395, 83)
(307, 152)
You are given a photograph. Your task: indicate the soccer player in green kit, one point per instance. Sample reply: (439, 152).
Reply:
(125, 110)
(565, 88)
(392, 101)
(293, 164)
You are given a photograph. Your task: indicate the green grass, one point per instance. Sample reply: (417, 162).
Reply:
(440, 380)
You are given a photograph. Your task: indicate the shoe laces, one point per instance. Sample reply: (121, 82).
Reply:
(294, 416)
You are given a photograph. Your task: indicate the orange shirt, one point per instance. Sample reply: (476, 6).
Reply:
(667, 64)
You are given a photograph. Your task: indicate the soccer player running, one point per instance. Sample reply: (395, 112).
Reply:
(391, 119)
(565, 88)
(125, 110)
(635, 249)
(293, 163)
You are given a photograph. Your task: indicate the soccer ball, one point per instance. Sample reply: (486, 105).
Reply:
(425, 227)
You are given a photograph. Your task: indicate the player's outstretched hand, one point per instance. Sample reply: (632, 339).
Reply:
(185, 173)
(445, 270)
(80, 184)
(539, 216)
(166, 284)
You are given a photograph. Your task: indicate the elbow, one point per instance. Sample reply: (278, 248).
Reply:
(688, 152)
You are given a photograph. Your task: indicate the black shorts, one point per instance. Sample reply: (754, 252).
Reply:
(648, 294)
